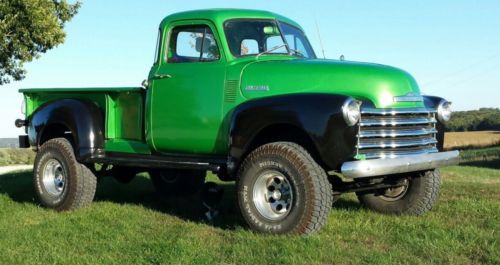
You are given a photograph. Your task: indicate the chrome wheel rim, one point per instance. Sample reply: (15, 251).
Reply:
(272, 195)
(54, 178)
(396, 193)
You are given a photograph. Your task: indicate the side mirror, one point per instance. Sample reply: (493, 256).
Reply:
(206, 44)
(145, 84)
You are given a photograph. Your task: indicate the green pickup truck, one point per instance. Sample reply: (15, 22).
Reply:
(242, 94)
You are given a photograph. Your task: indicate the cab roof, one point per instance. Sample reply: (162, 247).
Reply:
(219, 15)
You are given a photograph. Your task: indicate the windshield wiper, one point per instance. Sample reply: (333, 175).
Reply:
(296, 52)
(273, 49)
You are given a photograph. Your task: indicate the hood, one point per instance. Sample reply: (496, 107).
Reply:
(363, 81)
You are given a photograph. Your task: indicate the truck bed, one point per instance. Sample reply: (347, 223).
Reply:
(122, 107)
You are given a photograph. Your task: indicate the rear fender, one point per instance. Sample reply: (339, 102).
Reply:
(82, 118)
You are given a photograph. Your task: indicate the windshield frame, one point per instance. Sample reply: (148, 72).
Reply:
(278, 24)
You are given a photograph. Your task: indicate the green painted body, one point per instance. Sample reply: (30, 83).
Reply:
(190, 112)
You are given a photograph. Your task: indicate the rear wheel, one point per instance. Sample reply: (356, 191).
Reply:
(177, 182)
(61, 183)
(281, 189)
(416, 196)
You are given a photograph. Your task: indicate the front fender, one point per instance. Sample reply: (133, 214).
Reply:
(317, 114)
(83, 118)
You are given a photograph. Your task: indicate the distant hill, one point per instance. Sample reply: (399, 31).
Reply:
(484, 119)
(9, 142)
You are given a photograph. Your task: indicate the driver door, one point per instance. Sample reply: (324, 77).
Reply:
(187, 90)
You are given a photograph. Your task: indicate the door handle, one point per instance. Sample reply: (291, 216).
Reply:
(162, 76)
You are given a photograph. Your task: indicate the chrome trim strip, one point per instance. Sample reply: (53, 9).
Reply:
(370, 154)
(394, 143)
(395, 121)
(396, 132)
(383, 167)
(408, 99)
(374, 111)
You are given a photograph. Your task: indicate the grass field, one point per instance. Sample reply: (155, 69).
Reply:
(128, 224)
(469, 140)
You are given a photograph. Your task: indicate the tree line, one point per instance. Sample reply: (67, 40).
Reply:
(475, 120)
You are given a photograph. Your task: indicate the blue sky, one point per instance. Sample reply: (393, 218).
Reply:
(451, 47)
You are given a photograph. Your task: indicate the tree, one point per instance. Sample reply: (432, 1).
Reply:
(29, 28)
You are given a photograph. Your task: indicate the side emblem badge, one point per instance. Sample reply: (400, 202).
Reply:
(257, 88)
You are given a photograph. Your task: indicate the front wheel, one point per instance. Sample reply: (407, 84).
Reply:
(281, 189)
(416, 196)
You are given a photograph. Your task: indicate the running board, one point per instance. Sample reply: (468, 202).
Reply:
(161, 161)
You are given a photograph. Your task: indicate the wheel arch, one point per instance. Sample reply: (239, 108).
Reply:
(288, 133)
(79, 121)
(312, 119)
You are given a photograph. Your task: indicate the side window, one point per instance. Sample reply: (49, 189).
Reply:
(192, 44)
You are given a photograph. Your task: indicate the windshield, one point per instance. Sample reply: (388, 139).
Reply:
(260, 37)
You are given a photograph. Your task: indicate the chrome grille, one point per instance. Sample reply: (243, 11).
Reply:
(388, 133)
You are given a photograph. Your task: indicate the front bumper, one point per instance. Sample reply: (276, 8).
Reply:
(389, 166)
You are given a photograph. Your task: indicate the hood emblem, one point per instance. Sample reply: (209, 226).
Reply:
(257, 88)
(410, 97)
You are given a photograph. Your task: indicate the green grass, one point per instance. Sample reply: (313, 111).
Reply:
(16, 156)
(128, 224)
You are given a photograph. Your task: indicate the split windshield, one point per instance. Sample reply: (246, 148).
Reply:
(266, 37)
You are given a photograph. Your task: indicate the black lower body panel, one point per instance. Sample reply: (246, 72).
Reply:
(211, 163)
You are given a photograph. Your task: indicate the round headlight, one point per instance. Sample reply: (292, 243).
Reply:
(444, 111)
(351, 111)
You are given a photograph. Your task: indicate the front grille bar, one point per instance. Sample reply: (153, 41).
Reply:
(396, 132)
(396, 142)
(390, 121)
(386, 112)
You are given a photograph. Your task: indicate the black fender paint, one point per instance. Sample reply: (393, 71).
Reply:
(433, 102)
(318, 115)
(83, 118)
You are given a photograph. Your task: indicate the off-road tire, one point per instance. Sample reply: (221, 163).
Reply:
(311, 191)
(177, 182)
(79, 182)
(421, 194)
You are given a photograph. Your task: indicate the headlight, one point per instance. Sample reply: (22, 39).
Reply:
(351, 111)
(444, 111)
